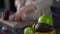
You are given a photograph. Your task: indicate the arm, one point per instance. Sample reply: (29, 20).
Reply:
(29, 7)
(19, 4)
(39, 4)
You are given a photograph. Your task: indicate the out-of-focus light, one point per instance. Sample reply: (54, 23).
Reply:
(57, 0)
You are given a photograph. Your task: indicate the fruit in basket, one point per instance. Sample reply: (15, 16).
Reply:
(29, 30)
(52, 32)
(42, 27)
(45, 19)
(6, 15)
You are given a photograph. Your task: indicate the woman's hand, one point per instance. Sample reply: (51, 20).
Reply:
(20, 14)
(27, 10)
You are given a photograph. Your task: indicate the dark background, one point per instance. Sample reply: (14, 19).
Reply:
(11, 2)
(12, 6)
(1, 4)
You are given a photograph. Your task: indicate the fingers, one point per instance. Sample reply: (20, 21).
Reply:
(15, 17)
(11, 18)
(18, 18)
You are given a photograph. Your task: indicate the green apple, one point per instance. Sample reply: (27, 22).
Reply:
(29, 30)
(45, 19)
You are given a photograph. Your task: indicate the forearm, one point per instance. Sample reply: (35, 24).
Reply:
(38, 4)
(28, 8)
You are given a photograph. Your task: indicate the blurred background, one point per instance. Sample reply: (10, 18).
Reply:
(7, 4)
(55, 8)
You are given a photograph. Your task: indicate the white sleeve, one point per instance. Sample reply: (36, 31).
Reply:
(40, 4)
(17, 2)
